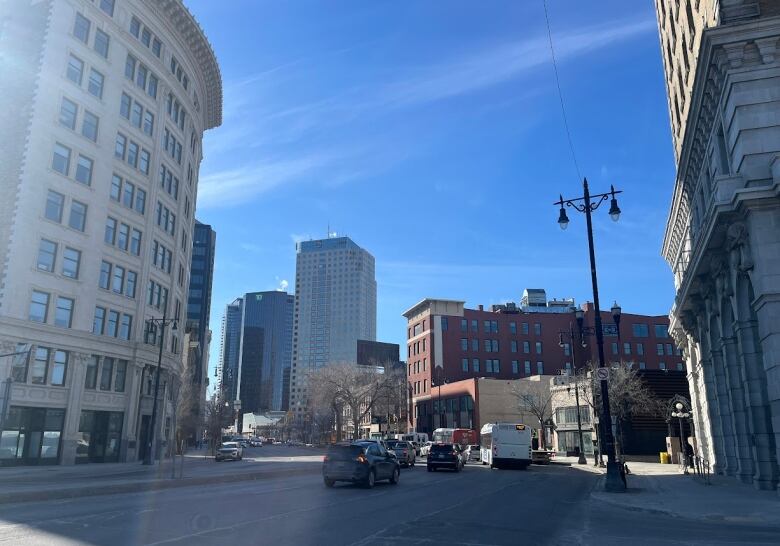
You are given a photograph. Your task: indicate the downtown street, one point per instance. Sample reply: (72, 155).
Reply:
(552, 504)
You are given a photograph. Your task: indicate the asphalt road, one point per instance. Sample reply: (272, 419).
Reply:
(479, 506)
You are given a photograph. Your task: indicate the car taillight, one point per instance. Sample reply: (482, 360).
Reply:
(455, 453)
(361, 459)
(325, 459)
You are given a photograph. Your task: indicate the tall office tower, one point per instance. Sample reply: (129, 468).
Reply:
(198, 312)
(266, 349)
(335, 305)
(722, 65)
(230, 350)
(104, 106)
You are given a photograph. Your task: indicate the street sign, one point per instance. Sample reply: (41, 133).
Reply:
(602, 374)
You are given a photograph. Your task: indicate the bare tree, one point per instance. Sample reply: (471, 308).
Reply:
(629, 395)
(534, 397)
(218, 416)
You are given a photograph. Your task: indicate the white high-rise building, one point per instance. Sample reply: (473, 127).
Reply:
(335, 305)
(104, 106)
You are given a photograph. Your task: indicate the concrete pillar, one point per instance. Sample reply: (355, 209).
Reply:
(70, 429)
(728, 464)
(130, 425)
(739, 414)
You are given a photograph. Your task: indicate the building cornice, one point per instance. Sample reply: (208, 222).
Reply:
(194, 38)
(722, 50)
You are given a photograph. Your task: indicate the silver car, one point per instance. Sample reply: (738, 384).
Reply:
(404, 451)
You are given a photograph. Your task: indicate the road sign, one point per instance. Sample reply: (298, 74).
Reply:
(609, 330)
(602, 374)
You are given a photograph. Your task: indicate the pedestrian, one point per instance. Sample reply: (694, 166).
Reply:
(689, 454)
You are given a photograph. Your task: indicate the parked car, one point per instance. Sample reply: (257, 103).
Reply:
(362, 462)
(473, 453)
(445, 456)
(229, 450)
(425, 448)
(404, 452)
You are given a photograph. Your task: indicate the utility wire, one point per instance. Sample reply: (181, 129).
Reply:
(560, 94)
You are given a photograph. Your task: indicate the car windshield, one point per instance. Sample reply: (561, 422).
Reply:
(230, 445)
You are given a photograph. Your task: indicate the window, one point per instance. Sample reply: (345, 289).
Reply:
(661, 330)
(81, 28)
(60, 368)
(526, 347)
(108, 7)
(75, 70)
(78, 215)
(626, 348)
(110, 232)
(125, 104)
(68, 112)
(98, 321)
(61, 160)
(140, 201)
(640, 330)
(106, 373)
(524, 328)
(95, 83)
(135, 242)
(659, 349)
(615, 349)
(642, 365)
(494, 326)
(55, 202)
(514, 346)
(465, 364)
(669, 349)
(487, 345)
(527, 367)
(144, 160)
(129, 194)
(121, 373)
(513, 327)
(84, 170)
(662, 365)
(640, 349)
(489, 365)
(148, 123)
(464, 344)
(39, 306)
(135, 27)
(123, 236)
(63, 314)
(130, 284)
(120, 147)
(474, 326)
(105, 275)
(118, 279)
(112, 324)
(90, 380)
(515, 367)
(538, 347)
(89, 126)
(101, 42)
(71, 260)
(540, 368)
(538, 328)
(132, 154)
(47, 254)
(494, 344)
(126, 327)
(19, 364)
(486, 325)
(464, 325)
(566, 349)
(475, 364)
(40, 366)
(136, 114)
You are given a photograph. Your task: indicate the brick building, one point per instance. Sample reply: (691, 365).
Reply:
(513, 342)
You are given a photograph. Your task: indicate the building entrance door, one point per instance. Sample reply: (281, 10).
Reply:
(31, 436)
(100, 433)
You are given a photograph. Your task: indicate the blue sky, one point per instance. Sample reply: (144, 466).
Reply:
(431, 133)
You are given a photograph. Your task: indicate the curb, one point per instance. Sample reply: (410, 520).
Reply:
(139, 487)
(615, 499)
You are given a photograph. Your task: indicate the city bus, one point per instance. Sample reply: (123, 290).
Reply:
(462, 436)
(505, 444)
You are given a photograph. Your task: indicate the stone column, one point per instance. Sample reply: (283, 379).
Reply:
(720, 379)
(130, 426)
(70, 429)
(739, 414)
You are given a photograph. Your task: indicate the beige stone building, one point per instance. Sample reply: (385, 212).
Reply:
(722, 241)
(105, 104)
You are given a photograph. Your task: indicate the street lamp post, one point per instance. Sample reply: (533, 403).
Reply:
(581, 459)
(151, 326)
(614, 482)
(680, 414)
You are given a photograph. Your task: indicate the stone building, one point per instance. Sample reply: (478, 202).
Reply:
(105, 104)
(722, 241)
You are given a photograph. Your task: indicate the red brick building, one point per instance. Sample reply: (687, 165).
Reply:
(512, 342)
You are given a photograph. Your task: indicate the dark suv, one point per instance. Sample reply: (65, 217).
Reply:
(359, 462)
(445, 456)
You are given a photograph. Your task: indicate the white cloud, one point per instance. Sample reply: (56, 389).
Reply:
(283, 284)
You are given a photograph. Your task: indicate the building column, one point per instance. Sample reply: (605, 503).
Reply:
(728, 463)
(70, 428)
(699, 405)
(739, 413)
(130, 426)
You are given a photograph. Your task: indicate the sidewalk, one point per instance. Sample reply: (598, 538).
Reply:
(663, 489)
(22, 484)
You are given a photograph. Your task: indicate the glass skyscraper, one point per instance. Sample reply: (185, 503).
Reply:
(335, 305)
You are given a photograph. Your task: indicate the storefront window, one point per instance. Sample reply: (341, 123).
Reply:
(31, 436)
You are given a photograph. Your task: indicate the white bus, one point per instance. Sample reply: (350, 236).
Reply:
(419, 437)
(505, 444)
